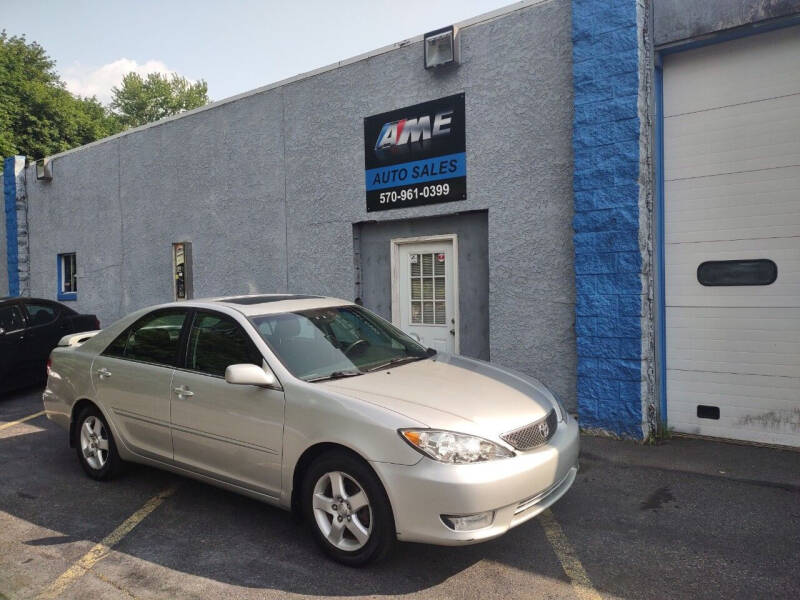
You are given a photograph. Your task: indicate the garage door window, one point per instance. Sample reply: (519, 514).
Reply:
(737, 272)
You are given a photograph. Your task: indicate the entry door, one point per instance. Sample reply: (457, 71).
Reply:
(231, 432)
(732, 205)
(425, 297)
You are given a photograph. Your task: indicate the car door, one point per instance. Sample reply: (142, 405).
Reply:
(230, 432)
(12, 346)
(132, 379)
(41, 334)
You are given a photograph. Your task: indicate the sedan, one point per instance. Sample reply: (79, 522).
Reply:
(29, 329)
(318, 406)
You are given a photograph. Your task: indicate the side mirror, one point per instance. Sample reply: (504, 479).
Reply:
(415, 337)
(248, 374)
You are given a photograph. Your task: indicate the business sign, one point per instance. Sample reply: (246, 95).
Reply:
(416, 155)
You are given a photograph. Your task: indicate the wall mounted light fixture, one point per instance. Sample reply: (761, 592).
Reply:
(442, 47)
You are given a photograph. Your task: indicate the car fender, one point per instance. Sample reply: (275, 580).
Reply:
(315, 416)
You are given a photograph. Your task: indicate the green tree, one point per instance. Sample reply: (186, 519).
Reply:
(141, 100)
(38, 116)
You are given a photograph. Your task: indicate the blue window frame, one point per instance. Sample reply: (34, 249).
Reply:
(67, 276)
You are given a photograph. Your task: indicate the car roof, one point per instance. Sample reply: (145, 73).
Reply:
(263, 304)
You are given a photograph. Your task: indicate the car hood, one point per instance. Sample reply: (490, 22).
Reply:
(453, 392)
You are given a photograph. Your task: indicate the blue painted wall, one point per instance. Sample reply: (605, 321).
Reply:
(10, 207)
(608, 262)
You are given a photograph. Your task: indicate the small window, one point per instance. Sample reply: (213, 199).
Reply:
(11, 318)
(40, 313)
(67, 277)
(737, 272)
(216, 342)
(152, 339)
(427, 279)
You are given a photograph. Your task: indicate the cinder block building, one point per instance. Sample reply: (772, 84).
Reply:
(603, 194)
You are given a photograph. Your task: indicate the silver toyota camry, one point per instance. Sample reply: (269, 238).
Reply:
(318, 406)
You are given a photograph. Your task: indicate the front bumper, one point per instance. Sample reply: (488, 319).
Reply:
(517, 489)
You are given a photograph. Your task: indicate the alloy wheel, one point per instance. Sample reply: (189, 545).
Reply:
(94, 442)
(342, 511)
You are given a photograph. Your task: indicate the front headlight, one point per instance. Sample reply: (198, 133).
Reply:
(451, 447)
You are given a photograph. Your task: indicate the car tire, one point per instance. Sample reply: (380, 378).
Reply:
(355, 526)
(94, 442)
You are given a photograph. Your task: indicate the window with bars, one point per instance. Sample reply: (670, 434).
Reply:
(428, 296)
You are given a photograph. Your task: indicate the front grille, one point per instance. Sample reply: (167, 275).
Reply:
(534, 434)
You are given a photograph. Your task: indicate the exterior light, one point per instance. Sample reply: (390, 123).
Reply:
(442, 47)
(44, 169)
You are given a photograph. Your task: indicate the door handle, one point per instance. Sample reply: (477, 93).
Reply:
(183, 392)
(103, 373)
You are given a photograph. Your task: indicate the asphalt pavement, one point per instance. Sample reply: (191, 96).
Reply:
(681, 519)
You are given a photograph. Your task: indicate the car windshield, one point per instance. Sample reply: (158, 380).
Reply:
(341, 341)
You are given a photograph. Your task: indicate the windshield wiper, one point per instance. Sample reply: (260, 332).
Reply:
(395, 361)
(336, 375)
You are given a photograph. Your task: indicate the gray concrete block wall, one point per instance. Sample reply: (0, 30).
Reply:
(375, 289)
(267, 188)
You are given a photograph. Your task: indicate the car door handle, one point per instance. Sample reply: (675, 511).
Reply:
(103, 373)
(183, 392)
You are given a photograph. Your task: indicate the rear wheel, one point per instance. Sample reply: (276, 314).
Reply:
(347, 510)
(95, 445)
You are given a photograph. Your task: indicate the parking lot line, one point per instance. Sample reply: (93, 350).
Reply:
(101, 550)
(568, 557)
(22, 420)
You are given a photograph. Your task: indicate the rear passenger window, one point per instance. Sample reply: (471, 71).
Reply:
(152, 339)
(737, 272)
(216, 342)
(40, 314)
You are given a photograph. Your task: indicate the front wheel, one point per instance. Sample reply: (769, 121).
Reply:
(347, 510)
(94, 442)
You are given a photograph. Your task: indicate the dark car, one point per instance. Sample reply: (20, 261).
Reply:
(29, 329)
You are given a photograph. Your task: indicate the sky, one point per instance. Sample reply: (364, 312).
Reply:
(235, 45)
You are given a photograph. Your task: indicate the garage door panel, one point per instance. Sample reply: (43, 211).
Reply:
(762, 135)
(757, 408)
(734, 206)
(742, 351)
(734, 340)
(731, 429)
(737, 387)
(731, 320)
(732, 192)
(739, 71)
(683, 288)
(732, 189)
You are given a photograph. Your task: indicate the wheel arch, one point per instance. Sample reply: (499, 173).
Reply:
(308, 457)
(76, 410)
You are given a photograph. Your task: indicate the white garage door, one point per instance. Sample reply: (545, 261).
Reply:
(732, 193)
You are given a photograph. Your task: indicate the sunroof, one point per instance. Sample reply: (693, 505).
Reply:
(263, 299)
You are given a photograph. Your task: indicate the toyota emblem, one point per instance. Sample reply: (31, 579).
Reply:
(544, 429)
